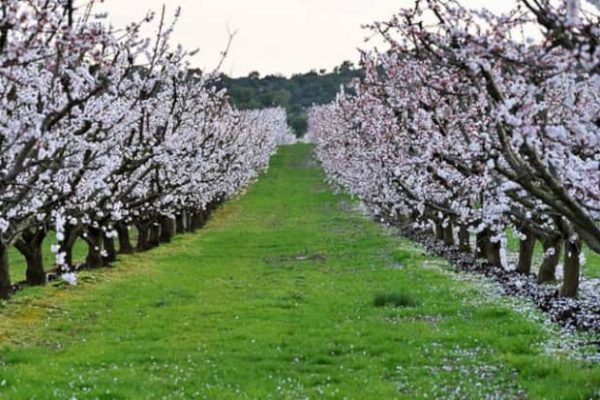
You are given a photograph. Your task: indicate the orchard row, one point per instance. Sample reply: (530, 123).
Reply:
(478, 123)
(101, 130)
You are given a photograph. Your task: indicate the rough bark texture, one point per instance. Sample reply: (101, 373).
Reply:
(547, 272)
(572, 267)
(167, 229)
(125, 246)
(30, 246)
(526, 248)
(464, 238)
(5, 285)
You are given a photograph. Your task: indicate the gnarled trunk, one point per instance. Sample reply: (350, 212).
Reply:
(125, 246)
(552, 247)
(30, 246)
(526, 248)
(570, 283)
(5, 285)
(93, 238)
(167, 229)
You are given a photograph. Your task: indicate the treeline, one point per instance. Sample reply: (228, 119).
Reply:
(295, 94)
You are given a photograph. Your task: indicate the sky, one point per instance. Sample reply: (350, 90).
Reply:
(273, 36)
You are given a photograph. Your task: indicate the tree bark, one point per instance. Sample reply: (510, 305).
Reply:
(180, 223)
(464, 238)
(125, 246)
(526, 249)
(71, 233)
(5, 285)
(570, 283)
(547, 271)
(111, 250)
(154, 238)
(143, 235)
(493, 252)
(167, 229)
(189, 223)
(449, 235)
(30, 246)
(198, 220)
(439, 230)
(481, 242)
(94, 241)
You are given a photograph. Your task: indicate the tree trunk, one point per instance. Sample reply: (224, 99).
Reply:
(167, 229)
(94, 242)
(482, 240)
(154, 239)
(71, 233)
(180, 223)
(198, 220)
(143, 234)
(111, 250)
(570, 283)
(125, 246)
(464, 238)
(439, 230)
(492, 252)
(449, 235)
(5, 285)
(547, 271)
(189, 223)
(30, 246)
(526, 248)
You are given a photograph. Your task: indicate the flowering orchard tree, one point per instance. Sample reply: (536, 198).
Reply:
(466, 124)
(102, 130)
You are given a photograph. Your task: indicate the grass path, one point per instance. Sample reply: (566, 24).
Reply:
(275, 300)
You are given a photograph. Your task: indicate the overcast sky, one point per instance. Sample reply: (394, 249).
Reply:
(274, 36)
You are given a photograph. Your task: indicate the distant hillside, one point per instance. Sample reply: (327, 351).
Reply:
(295, 94)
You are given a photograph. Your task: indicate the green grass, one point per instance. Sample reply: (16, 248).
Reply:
(275, 300)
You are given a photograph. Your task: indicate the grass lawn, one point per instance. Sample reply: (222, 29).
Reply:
(287, 294)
